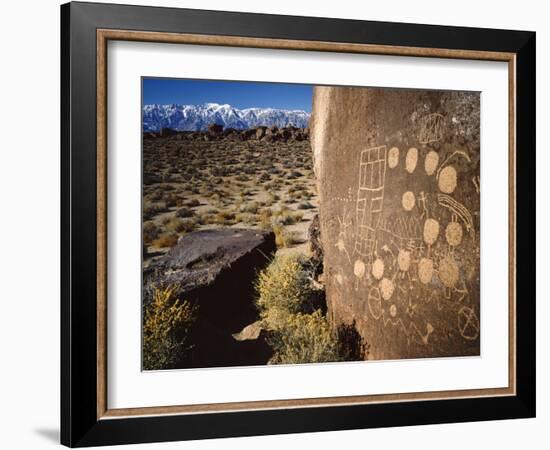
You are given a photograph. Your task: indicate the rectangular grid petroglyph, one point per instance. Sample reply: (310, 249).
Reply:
(370, 196)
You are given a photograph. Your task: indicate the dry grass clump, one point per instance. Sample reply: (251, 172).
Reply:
(166, 325)
(181, 225)
(185, 212)
(152, 209)
(285, 238)
(166, 240)
(150, 232)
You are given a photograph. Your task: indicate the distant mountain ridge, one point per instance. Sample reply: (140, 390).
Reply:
(198, 117)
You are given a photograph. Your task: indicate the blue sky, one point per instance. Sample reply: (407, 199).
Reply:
(240, 94)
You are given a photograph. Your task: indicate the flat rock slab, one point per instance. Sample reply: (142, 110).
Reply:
(398, 177)
(199, 257)
(216, 270)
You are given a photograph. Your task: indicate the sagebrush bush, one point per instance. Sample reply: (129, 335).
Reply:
(283, 288)
(304, 338)
(166, 325)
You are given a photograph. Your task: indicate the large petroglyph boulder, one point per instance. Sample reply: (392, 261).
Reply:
(398, 176)
(216, 270)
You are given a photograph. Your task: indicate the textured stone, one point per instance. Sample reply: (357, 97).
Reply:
(398, 179)
(216, 270)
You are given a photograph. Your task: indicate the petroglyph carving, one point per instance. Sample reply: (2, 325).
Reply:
(378, 269)
(459, 210)
(386, 288)
(374, 301)
(431, 162)
(468, 323)
(448, 271)
(408, 201)
(411, 159)
(370, 196)
(431, 128)
(447, 180)
(425, 270)
(475, 180)
(404, 260)
(453, 234)
(431, 231)
(393, 157)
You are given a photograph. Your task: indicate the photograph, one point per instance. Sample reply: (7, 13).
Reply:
(297, 224)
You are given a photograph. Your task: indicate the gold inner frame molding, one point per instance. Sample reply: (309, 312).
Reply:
(103, 36)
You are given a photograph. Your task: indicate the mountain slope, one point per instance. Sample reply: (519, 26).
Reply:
(198, 117)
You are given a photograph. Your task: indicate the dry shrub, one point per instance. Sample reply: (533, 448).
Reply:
(285, 238)
(150, 232)
(305, 338)
(166, 326)
(168, 239)
(181, 225)
(282, 289)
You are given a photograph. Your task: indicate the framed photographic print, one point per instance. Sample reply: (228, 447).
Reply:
(276, 224)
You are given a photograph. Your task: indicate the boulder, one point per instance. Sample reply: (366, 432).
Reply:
(260, 132)
(216, 270)
(398, 181)
(215, 128)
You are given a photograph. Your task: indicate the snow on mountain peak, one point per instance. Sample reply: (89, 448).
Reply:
(198, 117)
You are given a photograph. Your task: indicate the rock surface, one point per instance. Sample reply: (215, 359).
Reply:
(398, 177)
(216, 269)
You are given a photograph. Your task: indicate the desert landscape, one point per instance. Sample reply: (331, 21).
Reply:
(279, 236)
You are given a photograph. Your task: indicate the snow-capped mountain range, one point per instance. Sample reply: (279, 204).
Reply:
(198, 117)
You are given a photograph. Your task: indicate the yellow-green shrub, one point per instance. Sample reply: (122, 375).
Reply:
(166, 326)
(282, 289)
(304, 338)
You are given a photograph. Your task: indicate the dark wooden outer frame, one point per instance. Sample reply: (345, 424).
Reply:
(85, 29)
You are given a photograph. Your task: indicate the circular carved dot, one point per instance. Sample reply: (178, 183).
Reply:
(453, 233)
(448, 271)
(386, 288)
(447, 180)
(393, 310)
(378, 269)
(431, 162)
(425, 270)
(408, 201)
(411, 159)
(359, 268)
(393, 157)
(431, 231)
(404, 260)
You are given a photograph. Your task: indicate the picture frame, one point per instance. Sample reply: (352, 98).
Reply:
(86, 418)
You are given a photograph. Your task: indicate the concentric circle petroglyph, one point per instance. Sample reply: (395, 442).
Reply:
(359, 268)
(448, 271)
(386, 288)
(453, 234)
(404, 260)
(393, 310)
(408, 200)
(393, 157)
(431, 162)
(425, 270)
(447, 180)
(411, 159)
(378, 269)
(431, 231)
